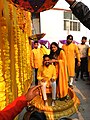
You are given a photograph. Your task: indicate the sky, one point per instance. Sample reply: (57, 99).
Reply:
(65, 5)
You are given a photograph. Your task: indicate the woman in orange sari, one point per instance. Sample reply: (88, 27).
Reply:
(58, 58)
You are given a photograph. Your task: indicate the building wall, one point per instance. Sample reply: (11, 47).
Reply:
(53, 25)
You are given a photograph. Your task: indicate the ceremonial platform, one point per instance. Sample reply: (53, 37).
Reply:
(62, 108)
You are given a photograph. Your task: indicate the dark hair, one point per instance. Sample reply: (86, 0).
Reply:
(46, 56)
(70, 37)
(84, 38)
(57, 52)
(36, 115)
(35, 42)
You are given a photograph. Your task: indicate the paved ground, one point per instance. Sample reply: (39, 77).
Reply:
(82, 89)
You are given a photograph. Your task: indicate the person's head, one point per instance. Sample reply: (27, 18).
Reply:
(46, 59)
(36, 44)
(69, 39)
(38, 116)
(84, 40)
(54, 50)
(54, 46)
(35, 115)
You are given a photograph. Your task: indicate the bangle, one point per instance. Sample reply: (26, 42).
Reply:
(74, 4)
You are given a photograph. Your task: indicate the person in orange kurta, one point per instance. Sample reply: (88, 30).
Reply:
(47, 74)
(89, 61)
(71, 50)
(58, 58)
(36, 59)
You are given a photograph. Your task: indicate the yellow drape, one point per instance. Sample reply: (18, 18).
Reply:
(61, 67)
(15, 51)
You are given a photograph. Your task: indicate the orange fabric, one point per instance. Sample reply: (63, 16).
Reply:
(36, 58)
(47, 73)
(61, 67)
(89, 60)
(44, 50)
(71, 51)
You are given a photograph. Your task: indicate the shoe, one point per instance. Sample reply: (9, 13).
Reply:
(83, 79)
(45, 103)
(71, 86)
(53, 103)
(88, 83)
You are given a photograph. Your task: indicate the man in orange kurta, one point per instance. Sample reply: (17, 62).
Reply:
(71, 50)
(47, 74)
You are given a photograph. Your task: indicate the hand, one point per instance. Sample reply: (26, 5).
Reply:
(78, 64)
(43, 80)
(70, 2)
(32, 92)
(53, 61)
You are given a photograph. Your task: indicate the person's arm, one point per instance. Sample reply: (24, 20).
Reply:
(89, 52)
(77, 55)
(13, 109)
(70, 2)
(81, 11)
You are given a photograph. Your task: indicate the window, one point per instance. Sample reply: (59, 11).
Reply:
(71, 22)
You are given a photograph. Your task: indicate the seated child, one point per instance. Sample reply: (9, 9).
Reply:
(47, 73)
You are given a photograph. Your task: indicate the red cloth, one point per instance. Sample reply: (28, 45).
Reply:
(13, 109)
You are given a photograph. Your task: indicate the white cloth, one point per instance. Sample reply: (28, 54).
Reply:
(53, 85)
(83, 50)
(71, 80)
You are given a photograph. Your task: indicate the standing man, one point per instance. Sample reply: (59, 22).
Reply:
(83, 48)
(36, 59)
(71, 50)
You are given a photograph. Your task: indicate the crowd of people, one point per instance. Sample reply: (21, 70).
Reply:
(59, 59)
(61, 67)
(67, 62)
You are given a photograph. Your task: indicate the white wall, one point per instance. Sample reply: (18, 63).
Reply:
(52, 24)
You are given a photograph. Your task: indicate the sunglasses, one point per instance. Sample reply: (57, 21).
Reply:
(70, 39)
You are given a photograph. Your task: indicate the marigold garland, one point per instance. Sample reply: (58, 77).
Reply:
(15, 72)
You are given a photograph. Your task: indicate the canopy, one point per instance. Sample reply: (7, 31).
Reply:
(35, 5)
